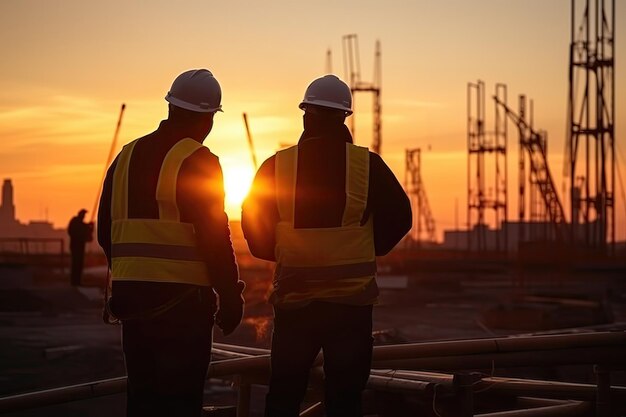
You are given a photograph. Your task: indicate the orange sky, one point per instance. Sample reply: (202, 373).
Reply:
(68, 65)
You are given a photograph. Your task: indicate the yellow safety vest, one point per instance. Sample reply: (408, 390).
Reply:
(324, 263)
(163, 249)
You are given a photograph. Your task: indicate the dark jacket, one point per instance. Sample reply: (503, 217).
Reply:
(200, 199)
(320, 194)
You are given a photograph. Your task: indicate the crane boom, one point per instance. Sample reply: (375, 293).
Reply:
(108, 161)
(252, 151)
(532, 142)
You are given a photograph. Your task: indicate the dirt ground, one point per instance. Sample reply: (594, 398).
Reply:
(51, 334)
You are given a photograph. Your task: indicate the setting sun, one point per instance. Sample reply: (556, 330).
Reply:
(237, 180)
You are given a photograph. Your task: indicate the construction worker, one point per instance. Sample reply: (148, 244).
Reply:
(80, 233)
(162, 225)
(322, 210)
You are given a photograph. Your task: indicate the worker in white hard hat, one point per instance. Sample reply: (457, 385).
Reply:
(323, 210)
(162, 226)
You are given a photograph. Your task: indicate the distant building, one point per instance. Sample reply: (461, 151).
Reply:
(8, 223)
(11, 228)
(510, 233)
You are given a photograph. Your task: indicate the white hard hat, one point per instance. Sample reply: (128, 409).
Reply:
(328, 91)
(196, 90)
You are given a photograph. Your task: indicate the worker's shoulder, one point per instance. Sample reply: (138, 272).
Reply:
(269, 161)
(202, 160)
(376, 159)
(269, 164)
(203, 155)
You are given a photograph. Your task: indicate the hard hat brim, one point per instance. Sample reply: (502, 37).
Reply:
(324, 103)
(191, 107)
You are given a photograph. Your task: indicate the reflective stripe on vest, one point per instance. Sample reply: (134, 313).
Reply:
(163, 249)
(322, 263)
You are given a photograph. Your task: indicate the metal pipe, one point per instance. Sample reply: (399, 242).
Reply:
(552, 389)
(241, 349)
(393, 384)
(499, 345)
(579, 356)
(573, 408)
(228, 354)
(253, 364)
(63, 394)
(316, 410)
(513, 386)
(602, 348)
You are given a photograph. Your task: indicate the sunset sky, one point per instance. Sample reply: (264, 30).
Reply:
(68, 65)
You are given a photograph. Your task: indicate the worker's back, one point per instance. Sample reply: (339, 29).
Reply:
(321, 180)
(323, 210)
(136, 294)
(162, 226)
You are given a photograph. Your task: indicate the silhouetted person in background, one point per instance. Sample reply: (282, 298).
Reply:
(323, 210)
(162, 226)
(80, 233)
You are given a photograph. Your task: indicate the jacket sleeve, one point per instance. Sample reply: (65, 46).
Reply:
(200, 197)
(260, 214)
(104, 213)
(389, 205)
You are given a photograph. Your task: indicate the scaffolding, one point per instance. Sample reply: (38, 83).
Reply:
(590, 146)
(422, 216)
(352, 66)
(486, 148)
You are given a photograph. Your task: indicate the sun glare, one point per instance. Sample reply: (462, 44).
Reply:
(237, 181)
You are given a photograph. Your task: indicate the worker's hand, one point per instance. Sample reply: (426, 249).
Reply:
(230, 312)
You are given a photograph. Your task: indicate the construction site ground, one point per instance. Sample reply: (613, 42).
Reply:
(52, 335)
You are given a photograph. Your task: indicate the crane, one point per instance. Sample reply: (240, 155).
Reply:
(108, 161)
(417, 194)
(532, 141)
(352, 66)
(252, 151)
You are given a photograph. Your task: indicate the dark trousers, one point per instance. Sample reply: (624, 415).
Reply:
(78, 257)
(343, 333)
(167, 358)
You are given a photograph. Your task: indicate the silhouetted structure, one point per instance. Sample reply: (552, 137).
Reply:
(422, 215)
(590, 146)
(539, 176)
(7, 209)
(80, 233)
(482, 144)
(352, 66)
(33, 235)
